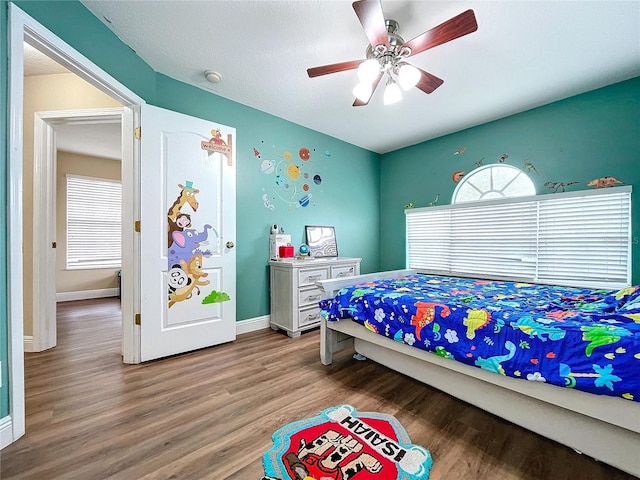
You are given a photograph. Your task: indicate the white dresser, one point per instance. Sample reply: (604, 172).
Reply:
(294, 295)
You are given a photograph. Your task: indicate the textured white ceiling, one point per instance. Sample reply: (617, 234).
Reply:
(98, 140)
(37, 63)
(524, 54)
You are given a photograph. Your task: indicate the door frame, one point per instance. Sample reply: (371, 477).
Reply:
(44, 213)
(23, 28)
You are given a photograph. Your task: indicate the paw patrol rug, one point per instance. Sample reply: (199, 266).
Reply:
(343, 444)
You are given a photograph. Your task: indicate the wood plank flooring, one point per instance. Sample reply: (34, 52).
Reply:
(210, 414)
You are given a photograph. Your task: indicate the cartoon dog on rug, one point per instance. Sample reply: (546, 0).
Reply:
(340, 444)
(324, 458)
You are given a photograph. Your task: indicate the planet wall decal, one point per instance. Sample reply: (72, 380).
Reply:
(304, 153)
(267, 167)
(294, 178)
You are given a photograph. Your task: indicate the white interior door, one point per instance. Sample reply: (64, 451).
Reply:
(187, 213)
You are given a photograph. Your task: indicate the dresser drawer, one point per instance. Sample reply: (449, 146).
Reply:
(309, 316)
(308, 276)
(343, 271)
(309, 296)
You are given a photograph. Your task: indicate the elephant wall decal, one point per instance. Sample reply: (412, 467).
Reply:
(187, 243)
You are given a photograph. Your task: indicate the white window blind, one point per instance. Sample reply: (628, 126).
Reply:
(575, 238)
(94, 220)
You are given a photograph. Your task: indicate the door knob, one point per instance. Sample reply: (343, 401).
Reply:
(230, 245)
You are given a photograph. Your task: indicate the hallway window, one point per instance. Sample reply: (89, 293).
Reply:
(94, 207)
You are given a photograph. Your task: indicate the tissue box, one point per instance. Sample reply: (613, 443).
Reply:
(286, 251)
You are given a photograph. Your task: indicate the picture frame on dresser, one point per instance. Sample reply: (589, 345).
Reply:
(321, 241)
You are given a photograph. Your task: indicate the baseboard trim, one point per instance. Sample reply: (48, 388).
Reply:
(242, 326)
(252, 324)
(6, 431)
(86, 294)
(28, 343)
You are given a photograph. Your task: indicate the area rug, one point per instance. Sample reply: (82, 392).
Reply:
(343, 444)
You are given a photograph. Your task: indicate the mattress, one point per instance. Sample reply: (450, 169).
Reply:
(577, 338)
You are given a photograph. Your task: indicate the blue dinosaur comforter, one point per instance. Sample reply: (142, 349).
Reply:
(576, 338)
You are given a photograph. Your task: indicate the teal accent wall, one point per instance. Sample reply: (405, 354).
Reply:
(4, 337)
(578, 139)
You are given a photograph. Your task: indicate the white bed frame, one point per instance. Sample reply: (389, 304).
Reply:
(603, 427)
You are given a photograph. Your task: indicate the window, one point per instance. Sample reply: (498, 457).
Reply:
(577, 238)
(493, 181)
(94, 208)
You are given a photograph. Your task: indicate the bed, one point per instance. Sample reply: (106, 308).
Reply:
(564, 363)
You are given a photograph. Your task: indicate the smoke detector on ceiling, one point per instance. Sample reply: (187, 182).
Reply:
(212, 76)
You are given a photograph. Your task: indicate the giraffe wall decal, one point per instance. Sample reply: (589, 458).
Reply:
(178, 221)
(187, 196)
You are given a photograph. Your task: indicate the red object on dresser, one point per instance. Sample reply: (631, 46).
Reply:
(286, 251)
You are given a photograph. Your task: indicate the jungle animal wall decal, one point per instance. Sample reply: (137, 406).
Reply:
(529, 167)
(186, 250)
(604, 182)
(558, 186)
(177, 219)
(186, 244)
(188, 277)
(463, 163)
(217, 145)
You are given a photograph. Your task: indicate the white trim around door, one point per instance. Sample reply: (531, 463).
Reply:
(44, 213)
(23, 28)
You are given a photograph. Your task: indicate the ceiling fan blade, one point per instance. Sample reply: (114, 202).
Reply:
(428, 82)
(453, 28)
(333, 68)
(371, 17)
(374, 85)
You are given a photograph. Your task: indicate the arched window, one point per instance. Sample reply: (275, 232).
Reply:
(493, 181)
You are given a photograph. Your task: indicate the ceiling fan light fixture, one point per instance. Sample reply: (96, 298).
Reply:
(368, 70)
(363, 91)
(387, 51)
(408, 76)
(392, 92)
